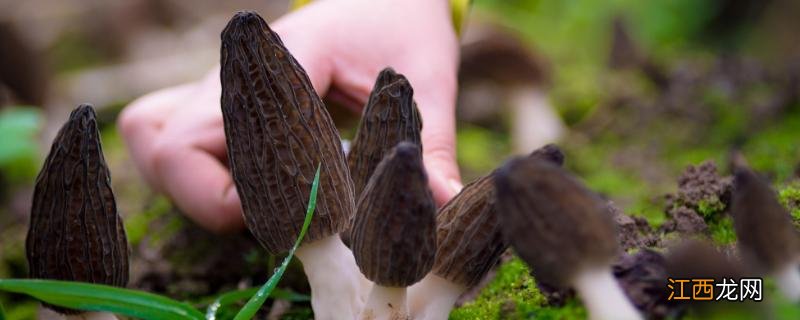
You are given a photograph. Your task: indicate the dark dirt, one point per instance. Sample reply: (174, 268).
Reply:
(703, 195)
(634, 232)
(642, 276)
(192, 263)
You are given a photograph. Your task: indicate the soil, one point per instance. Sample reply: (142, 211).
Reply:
(698, 186)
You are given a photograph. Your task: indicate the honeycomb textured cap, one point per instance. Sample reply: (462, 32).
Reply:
(764, 229)
(390, 117)
(553, 222)
(277, 131)
(75, 232)
(394, 232)
(470, 240)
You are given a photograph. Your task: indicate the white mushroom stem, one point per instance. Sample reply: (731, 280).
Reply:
(433, 297)
(602, 295)
(788, 279)
(385, 303)
(338, 289)
(47, 314)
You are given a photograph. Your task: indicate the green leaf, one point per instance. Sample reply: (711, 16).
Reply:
(229, 298)
(95, 297)
(261, 295)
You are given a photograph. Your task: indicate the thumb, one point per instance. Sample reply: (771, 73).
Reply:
(298, 32)
(437, 108)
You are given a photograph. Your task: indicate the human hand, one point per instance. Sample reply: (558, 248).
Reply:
(176, 135)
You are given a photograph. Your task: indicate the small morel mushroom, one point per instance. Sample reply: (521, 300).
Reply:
(394, 232)
(390, 117)
(469, 241)
(277, 132)
(767, 239)
(562, 230)
(75, 232)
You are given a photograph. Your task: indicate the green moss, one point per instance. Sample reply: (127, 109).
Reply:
(722, 231)
(512, 292)
(513, 295)
(789, 197)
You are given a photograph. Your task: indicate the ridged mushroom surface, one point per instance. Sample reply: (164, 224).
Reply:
(553, 222)
(394, 232)
(390, 117)
(75, 232)
(278, 131)
(470, 240)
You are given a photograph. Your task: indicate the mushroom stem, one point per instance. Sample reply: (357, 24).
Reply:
(602, 295)
(788, 279)
(93, 316)
(47, 314)
(337, 286)
(387, 303)
(433, 297)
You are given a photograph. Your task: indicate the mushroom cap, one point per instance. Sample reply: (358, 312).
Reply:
(277, 132)
(390, 117)
(394, 232)
(470, 240)
(75, 232)
(553, 222)
(764, 229)
(699, 259)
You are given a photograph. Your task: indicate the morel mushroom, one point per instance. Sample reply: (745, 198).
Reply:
(390, 117)
(767, 239)
(564, 233)
(75, 232)
(394, 232)
(469, 244)
(277, 132)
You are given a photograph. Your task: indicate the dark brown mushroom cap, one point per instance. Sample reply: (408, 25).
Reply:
(390, 117)
(75, 233)
(469, 237)
(277, 132)
(700, 259)
(766, 235)
(394, 232)
(553, 222)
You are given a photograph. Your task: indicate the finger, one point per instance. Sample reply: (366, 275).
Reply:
(302, 32)
(435, 93)
(141, 122)
(199, 185)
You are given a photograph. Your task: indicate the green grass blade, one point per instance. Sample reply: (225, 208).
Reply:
(229, 298)
(2, 312)
(252, 306)
(95, 297)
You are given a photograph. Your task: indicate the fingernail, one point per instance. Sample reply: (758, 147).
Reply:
(456, 185)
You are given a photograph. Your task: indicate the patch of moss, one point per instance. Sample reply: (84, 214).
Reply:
(710, 208)
(722, 231)
(513, 295)
(789, 197)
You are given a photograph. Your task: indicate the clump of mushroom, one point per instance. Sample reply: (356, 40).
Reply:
(75, 232)
(278, 131)
(470, 243)
(767, 239)
(394, 232)
(563, 231)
